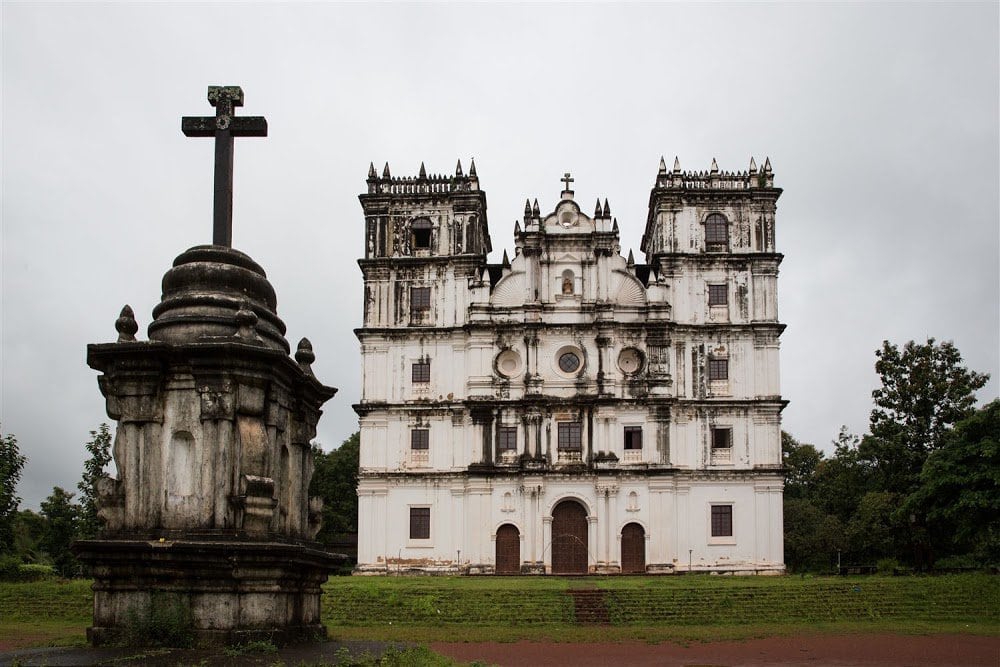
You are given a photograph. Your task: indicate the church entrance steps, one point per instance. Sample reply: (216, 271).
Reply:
(589, 607)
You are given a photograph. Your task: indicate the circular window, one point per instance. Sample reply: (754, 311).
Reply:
(630, 360)
(508, 363)
(569, 362)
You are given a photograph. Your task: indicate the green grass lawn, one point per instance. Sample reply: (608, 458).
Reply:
(657, 608)
(677, 608)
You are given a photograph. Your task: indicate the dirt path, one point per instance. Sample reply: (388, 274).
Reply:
(843, 650)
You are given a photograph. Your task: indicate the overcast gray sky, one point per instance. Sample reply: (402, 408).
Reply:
(880, 122)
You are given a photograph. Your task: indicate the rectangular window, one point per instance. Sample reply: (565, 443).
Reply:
(420, 299)
(570, 436)
(633, 437)
(718, 295)
(722, 438)
(420, 438)
(718, 369)
(722, 520)
(421, 371)
(507, 439)
(420, 523)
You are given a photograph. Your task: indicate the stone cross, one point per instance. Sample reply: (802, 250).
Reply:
(224, 125)
(567, 180)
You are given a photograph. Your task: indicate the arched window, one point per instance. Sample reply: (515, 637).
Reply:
(716, 233)
(421, 228)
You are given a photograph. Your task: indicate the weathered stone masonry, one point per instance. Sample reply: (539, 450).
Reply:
(571, 410)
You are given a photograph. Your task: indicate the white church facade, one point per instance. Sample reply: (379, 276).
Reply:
(570, 410)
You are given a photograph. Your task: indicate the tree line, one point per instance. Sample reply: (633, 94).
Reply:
(921, 489)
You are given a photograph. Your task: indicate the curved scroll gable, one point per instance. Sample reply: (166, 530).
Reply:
(509, 291)
(628, 291)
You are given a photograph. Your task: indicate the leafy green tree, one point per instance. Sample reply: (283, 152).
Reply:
(925, 391)
(29, 527)
(959, 492)
(800, 462)
(876, 530)
(11, 464)
(99, 448)
(335, 480)
(812, 537)
(60, 530)
(839, 482)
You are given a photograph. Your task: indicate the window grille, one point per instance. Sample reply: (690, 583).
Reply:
(722, 520)
(716, 233)
(507, 439)
(420, 299)
(420, 438)
(718, 369)
(718, 295)
(421, 371)
(570, 436)
(420, 523)
(569, 362)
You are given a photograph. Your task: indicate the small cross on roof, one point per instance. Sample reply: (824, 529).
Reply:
(567, 179)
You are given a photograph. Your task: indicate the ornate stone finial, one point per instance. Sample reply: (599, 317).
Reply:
(677, 165)
(767, 165)
(304, 356)
(517, 227)
(753, 166)
(126, 325)
(246, 323)
(534, 209)
(385, 171)
(472, 168)
(527, 208)
(505, 262)
(458, 168)
(371, 171)
(614, 226)
(597, 209)
(663, 166)
(423, 172)
(607, 209)
(715, 167)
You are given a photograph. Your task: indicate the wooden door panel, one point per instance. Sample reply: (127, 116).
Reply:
(569, 538)
(508, 550)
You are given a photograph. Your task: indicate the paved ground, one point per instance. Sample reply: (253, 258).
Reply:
(323, 653)
(815, 650)
(839, 651)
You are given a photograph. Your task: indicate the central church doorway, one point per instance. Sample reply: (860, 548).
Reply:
(569, 538)
(508, 550)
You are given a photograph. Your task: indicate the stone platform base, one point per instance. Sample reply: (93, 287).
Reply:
(222, 591)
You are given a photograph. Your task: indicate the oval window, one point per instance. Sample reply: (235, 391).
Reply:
(569, 362)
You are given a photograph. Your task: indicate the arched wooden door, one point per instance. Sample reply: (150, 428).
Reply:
(508, 550)
(633, 549)
(569, 538)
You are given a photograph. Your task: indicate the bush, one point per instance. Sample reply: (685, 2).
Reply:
(12, 569)
(887, 565)
(963, 562)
